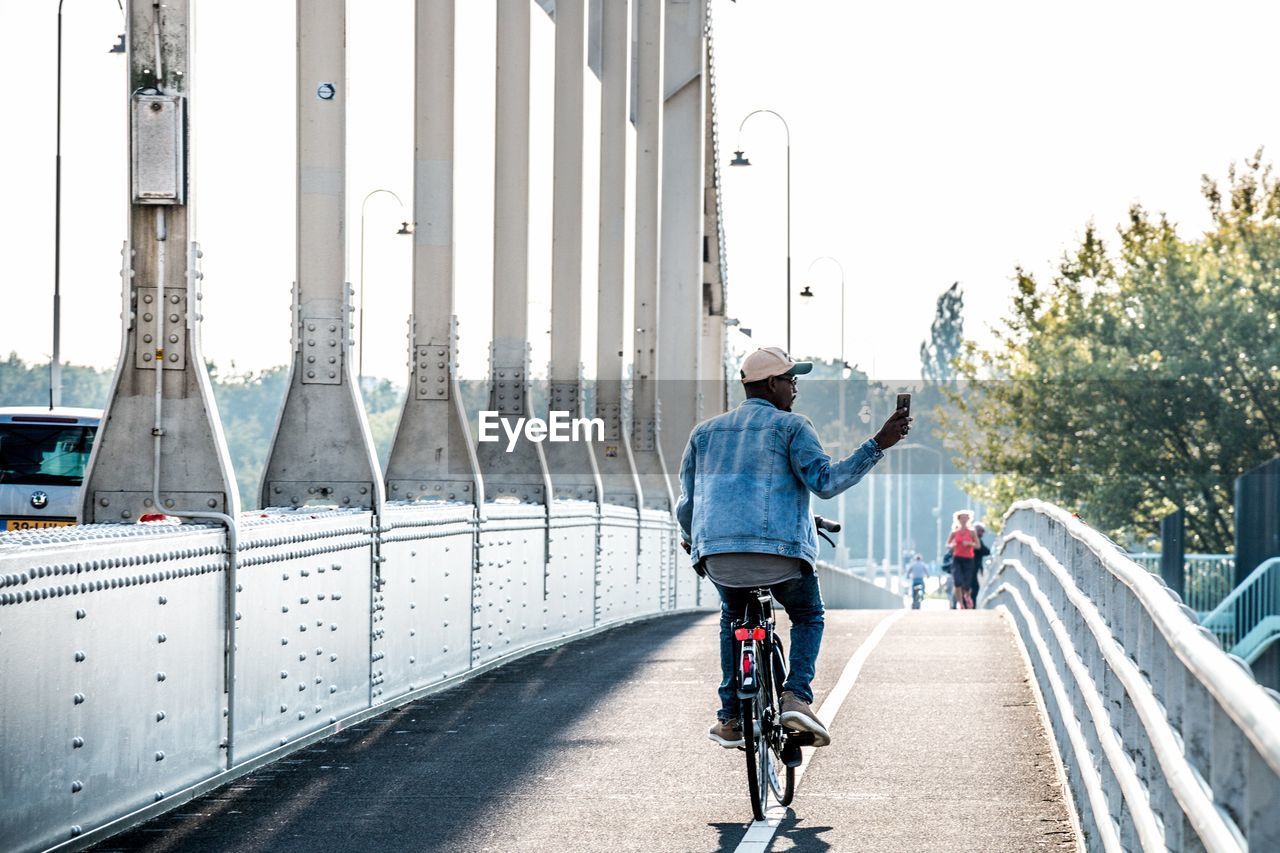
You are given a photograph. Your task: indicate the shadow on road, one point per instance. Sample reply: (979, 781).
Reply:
(427, 776)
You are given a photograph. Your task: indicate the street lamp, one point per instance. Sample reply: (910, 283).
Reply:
(807, 293)
(405, 228)
(55, 363)
(740, 159)
(938, 508)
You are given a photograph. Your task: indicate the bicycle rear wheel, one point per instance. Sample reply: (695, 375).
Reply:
(757, 748)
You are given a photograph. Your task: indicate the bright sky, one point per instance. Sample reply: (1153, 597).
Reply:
(931, 142)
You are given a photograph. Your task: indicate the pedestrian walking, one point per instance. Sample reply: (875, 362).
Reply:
(962, 542)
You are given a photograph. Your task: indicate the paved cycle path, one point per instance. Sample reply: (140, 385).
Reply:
(600, 745)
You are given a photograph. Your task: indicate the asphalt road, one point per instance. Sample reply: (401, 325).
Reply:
(600, 745)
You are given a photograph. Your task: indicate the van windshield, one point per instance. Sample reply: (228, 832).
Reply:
(44, 454)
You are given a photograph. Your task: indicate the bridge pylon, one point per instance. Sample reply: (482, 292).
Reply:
(160, 447)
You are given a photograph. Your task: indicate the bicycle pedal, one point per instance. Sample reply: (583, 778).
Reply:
(791, 756)
(800, 739)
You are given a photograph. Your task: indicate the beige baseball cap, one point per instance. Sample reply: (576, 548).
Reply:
(772, 361)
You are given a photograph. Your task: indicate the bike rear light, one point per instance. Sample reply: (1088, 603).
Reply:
(742, 633)
(757, 634)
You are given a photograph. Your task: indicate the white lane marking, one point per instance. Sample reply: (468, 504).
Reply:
(760, 834)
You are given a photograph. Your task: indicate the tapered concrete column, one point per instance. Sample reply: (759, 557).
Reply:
(521, 472)
(617, 254)
(160, 432)
(681, 279)
(432, 456)
(645, 423)
(571, 464)
(712, 379)
(322, 451)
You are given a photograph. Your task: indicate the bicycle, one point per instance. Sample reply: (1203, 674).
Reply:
(917, 595)
(762, 670)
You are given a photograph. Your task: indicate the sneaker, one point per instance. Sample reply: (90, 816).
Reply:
(799, 717)
(727, 733)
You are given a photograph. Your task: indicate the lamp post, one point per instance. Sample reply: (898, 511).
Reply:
(937, 509)
(807, 293)
(739, 159)
(55, 363)
(405, 228)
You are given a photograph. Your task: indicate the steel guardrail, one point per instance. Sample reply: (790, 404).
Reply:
(1169, 742)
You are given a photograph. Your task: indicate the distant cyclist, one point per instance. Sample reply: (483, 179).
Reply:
(916, 572)
(745, 520)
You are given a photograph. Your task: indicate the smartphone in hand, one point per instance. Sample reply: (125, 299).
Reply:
(904, 403)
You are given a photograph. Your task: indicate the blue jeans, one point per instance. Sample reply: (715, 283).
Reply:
(802, 600)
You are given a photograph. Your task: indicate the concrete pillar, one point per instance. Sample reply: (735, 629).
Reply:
(160, 446)
(680, 278)
(522, 472)
(571, 464)
(617, 467)
(322, 451)
(645, 427)
(432, 456)
(713, 386)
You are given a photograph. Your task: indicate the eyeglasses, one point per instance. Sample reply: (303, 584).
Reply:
(790, 379)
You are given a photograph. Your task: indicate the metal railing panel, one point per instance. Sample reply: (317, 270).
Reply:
(568, 605)
(303, 652)
(510, 568)
(111, 648)
(422, 631)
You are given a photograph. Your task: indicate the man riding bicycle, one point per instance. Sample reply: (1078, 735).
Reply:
(745, 520)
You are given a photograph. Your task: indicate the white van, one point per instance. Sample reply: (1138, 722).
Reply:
(43, 454)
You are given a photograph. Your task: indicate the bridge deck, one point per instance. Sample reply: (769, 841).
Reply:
(600, 745)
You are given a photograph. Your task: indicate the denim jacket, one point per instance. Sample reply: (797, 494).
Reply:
(745, 480)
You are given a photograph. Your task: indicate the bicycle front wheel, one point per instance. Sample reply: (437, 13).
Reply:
(784, 786)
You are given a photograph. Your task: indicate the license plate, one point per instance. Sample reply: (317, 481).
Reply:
(33, 523)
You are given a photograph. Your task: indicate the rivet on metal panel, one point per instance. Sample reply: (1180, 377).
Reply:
(319, 679)
(159, 716)
(80, 614)
(160, 676)
(163, 600)
(302, 715)
(284, 708)
(77, 786)
(284, 641)
(302, 656)
(77, 742)
(78, 699)
(332, 658)
(79, 657)
(284, 673)
(161, 638)
(301, 687)
(333, 627)
(160, 755)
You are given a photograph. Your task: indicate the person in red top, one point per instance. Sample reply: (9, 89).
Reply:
(962, 542)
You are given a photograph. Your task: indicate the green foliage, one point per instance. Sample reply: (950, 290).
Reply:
(946, 337)
(1144, 376)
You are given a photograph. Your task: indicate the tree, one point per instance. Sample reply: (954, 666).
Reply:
(1140, 378)
(946, 337)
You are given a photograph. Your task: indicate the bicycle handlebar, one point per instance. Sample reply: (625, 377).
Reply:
(827, 524)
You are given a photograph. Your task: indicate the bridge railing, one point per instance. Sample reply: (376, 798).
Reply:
(1208, 578)
(1247, 620)
(125, 692)
(1168, 742)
